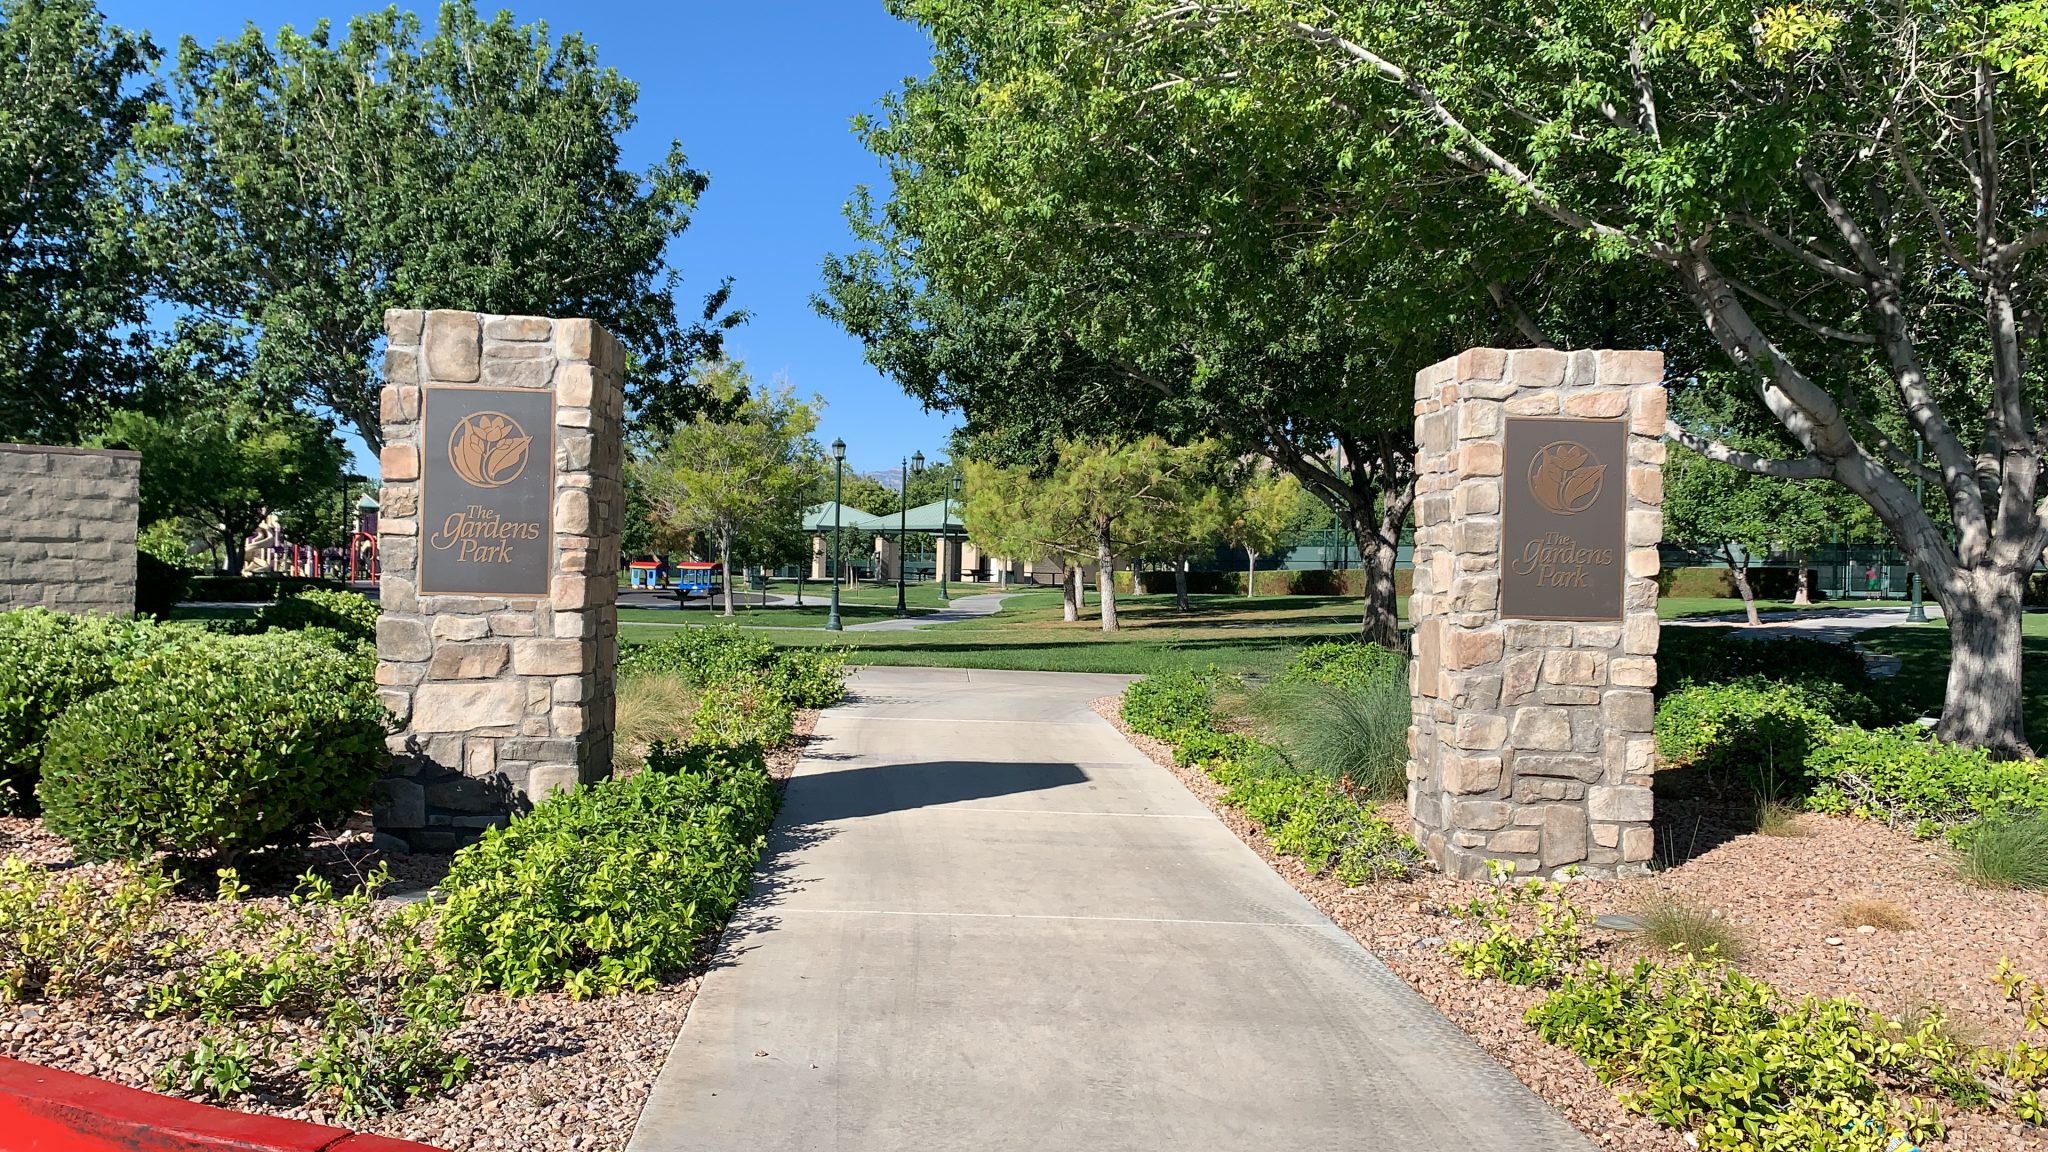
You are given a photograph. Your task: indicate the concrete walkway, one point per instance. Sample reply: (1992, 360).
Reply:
(986, 922)
(961, 608)
(1839, 625)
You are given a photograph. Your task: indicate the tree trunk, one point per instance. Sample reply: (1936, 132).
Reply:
(1799, 593)
(1983, 706)
(725, 572)
(1105, 576)
(1070, 587)
(237, 550)
(1251, 573)
(1741, 574)
(1180, 586)
(1381, 623)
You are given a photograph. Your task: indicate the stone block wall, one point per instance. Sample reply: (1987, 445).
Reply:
(1531, 740)
(503, 698)
(67, 528)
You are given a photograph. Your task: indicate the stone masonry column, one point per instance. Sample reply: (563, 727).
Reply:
(502, 505)
(1539, 508)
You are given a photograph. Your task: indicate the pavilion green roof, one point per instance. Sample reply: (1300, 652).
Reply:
(923, 518)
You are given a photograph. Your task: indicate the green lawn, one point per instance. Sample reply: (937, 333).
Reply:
(1922, 650)
(1229, 632)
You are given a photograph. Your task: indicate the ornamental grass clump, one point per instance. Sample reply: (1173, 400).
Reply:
(1670, 925)
(2008, 853)
(213, 746)
(1354, 732)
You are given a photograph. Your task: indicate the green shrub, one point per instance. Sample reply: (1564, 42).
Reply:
(265, 587)
(1551, 950)
(48, 662)
(1347, 664)
(334, 996)
(711, 656)
(350, 614)
(1222, 754)
(1328, 829)
(1718, 656)
(213, 746)
(612, 886)
(60, 936)
(733, 714)
(702, 653)
(1708, 1051)
(1165, 703)
(1753, 730)
(2008, 853)
(808, 677)
(1908, 779)
(1354, 732)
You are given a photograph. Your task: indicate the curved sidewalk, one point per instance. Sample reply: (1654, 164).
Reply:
(987, 922)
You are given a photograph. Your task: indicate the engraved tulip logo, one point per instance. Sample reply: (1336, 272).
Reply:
(488, 449)
(1565, 478)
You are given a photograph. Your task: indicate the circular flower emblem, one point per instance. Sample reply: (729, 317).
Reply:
(488, 449)
(1565, 478)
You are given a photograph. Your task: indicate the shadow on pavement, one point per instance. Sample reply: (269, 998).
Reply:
(824, 797)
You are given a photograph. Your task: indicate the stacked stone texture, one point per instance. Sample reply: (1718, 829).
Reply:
(502, 699)
(67, 529)
(1531, 742)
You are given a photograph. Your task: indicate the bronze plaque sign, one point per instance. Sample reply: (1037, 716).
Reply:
(487, 494)
(1564, 519)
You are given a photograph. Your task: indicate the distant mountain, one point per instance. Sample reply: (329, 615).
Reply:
(890, 478)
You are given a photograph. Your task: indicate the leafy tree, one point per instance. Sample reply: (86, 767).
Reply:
(739, 477)
(1269, 511)
(1076, 246)
(309, 183)
(227, 463)
(1013, 511)
(72, 88)
(1847, 200)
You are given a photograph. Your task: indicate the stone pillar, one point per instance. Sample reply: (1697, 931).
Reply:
(818, 556)
(888, 554)
(970, 561)
(499, 532)
(1539, 508)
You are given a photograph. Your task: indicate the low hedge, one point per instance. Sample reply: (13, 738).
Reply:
(1166, 703)
(48, 662)
(723, 656)
(1346, 664)
(350, 614)
(1908, 779)
(612, 886)
(1754, 730)
(210, 745)
(1306, 815)
(257, 587)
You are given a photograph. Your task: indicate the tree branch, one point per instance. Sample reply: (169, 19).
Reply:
(1802, 468)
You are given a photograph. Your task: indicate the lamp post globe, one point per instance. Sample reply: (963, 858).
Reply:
(832, 569)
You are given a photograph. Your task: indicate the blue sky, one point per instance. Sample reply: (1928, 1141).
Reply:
(760, 95)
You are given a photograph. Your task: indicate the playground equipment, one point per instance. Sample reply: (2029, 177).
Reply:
(643, 573)
(697, 577)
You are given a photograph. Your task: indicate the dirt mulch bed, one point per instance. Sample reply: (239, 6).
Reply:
(1793, 899)
(549, 1074)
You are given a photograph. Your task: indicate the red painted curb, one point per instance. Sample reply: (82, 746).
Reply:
(45, 1110)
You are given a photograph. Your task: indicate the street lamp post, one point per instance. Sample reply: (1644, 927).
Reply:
(912, 466)
(945, 522)
(838, 478)
(1917, 613)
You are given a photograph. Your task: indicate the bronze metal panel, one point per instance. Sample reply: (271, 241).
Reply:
(487, 487)
(1564, 518)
